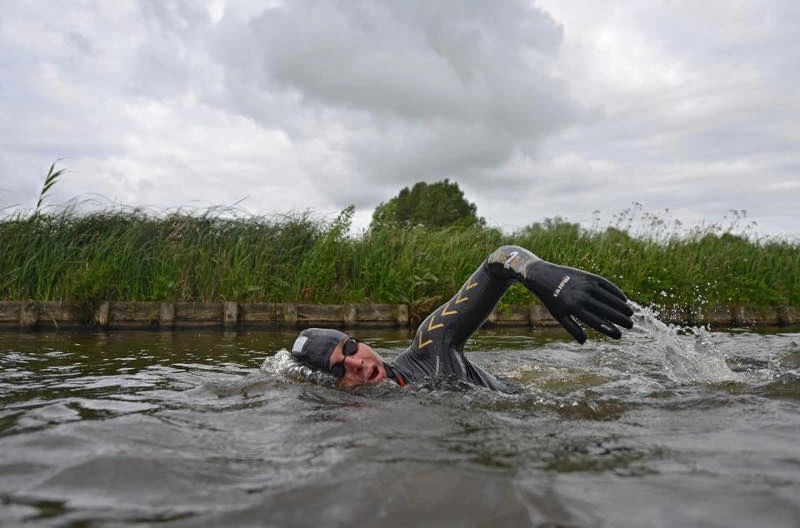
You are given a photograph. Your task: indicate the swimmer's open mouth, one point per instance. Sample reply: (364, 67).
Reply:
(374, 372)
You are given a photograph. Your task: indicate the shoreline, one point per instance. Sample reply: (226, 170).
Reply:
(165, 316)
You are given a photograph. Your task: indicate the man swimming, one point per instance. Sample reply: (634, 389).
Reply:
(437, 351)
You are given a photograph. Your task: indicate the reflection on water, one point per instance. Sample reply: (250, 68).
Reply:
(666, 427)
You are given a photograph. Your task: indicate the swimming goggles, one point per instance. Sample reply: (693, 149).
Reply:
(349, 348)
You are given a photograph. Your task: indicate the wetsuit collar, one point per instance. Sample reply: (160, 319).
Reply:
(391, 373)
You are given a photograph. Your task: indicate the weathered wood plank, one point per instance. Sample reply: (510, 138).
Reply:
(190, 314)
(123, 314)
(320, 313)
(712, 315)
(754, 315)
(540, 316)
(9, 313)
(58, 314)
(509, 316)
(271, 314)
(379, 315)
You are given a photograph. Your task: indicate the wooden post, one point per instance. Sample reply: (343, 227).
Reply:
(29, 316)
(290, 314)
(349, 314)
(166, 319)
(784, 315)
(230, 318)
(402, 315)
(101, 315)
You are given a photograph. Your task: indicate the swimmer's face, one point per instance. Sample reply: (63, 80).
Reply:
(362, 365)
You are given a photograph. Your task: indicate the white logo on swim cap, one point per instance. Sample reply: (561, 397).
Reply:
(298, 343)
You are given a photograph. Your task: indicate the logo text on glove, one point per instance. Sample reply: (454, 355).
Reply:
(564, 281)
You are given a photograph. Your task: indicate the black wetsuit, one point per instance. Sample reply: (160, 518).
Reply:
(437, 351)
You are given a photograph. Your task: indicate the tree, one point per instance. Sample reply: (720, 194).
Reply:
(440, 204)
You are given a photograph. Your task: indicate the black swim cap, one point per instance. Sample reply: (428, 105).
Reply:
(314, 346)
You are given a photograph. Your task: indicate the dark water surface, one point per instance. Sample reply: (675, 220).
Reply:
(667, 427)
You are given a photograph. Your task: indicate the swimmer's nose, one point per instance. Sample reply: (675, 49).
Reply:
(353, 362)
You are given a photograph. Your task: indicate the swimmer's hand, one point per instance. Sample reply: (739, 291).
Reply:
(571, 293)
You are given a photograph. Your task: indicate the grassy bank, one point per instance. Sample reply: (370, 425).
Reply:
(128, 255)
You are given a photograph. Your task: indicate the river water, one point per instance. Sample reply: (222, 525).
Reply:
(666, 427)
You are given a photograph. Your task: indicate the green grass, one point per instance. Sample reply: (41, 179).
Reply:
(218, 256)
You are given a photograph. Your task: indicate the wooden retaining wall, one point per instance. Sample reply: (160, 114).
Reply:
(32, 315)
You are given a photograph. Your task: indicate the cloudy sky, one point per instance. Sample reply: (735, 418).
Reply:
(535, 108)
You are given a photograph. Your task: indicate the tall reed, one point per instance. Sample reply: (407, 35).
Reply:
(217, 255)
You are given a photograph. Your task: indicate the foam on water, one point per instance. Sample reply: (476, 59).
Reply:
(282, 366)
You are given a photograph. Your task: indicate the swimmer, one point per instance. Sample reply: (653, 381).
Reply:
(437, 351)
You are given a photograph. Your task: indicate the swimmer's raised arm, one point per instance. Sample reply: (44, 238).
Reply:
(568, 293)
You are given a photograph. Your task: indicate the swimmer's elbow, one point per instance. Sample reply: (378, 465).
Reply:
(510, 260)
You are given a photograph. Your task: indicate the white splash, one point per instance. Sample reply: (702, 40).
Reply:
(282, 366)
(685, 354)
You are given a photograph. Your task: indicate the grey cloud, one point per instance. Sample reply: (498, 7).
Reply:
(424, 90)
(171, 57)
(487, 63)
(442, 150)
(421, 90)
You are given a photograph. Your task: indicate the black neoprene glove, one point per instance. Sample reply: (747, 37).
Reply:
(571, 293)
